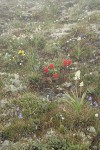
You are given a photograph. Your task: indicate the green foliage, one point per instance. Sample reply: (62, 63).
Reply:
(57, 143)
(34, 79)
(53, 142)
(37, 146)
(78, 147)
(38, 42)
(1, 82)
(92, 4)
(32, 105)
(29, 29)
(75, 101)
(18, 128)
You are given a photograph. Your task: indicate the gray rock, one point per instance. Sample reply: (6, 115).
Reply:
(5, 143)
(15, 82)
(66, 84)
(8, 124)
(91, 129)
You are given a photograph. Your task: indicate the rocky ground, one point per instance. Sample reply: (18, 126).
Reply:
(48, 32)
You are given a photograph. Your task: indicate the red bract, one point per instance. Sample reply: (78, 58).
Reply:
(70, 61)
(67, 62)
(46, 70)
(51, 66)
(55, 75)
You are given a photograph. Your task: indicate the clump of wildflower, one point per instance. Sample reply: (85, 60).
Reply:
(67, 62)
(46, 69)
(21, 52)
(55, 75)
(77, 75)
(51, 66)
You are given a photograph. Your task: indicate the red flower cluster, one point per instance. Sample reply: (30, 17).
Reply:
(55, 75)
(51, 66)
(67, 62)
(46, 69)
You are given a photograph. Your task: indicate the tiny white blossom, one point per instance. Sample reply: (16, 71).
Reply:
(68, 55)
(91, 73)
(79, 39)
(62, 118)
(96, 115)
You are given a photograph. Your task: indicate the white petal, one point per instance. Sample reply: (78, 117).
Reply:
(81, 84)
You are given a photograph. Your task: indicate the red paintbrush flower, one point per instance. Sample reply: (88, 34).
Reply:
(55, 75)
(67, 62)
(46, 70)
(51, 66)
(70, 61)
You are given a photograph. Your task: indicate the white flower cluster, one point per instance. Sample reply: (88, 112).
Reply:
(77, 77)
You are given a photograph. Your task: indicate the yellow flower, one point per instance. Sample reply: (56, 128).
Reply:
(21, 52)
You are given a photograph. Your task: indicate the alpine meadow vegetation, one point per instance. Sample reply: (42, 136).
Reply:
(50, 75)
